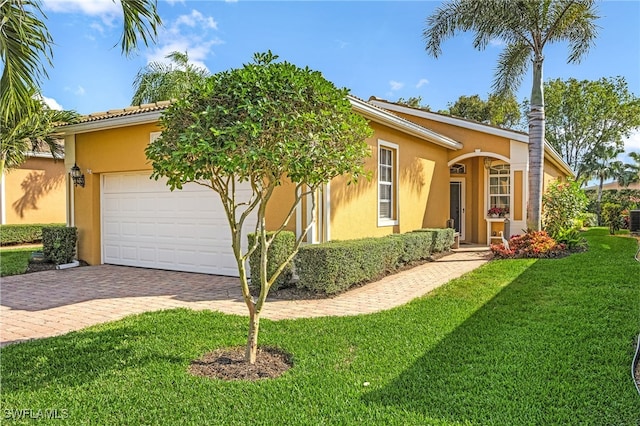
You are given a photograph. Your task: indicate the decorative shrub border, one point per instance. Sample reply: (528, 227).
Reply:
(337, 265)
(11, 235)
(59, 244)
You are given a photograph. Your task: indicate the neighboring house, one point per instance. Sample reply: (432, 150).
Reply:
(35, 192)
(426, 169)
(613, 186)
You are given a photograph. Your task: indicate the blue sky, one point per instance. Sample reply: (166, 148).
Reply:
(373, 48)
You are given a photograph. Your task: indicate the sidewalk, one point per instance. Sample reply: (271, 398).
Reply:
(51, 303)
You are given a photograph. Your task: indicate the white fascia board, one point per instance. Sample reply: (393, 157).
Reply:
(34, 154)
(111, 123)
(380, 116)
(509, 134)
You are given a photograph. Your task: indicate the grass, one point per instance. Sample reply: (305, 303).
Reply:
(514, 342)
(15, 261)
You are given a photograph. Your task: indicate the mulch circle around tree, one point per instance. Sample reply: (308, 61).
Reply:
(229, 364)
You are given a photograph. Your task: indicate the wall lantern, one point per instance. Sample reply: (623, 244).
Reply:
(77, 176)
(487, 162)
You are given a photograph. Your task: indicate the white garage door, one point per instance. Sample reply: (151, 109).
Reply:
(145, 224)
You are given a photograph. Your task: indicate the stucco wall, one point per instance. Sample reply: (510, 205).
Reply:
(423, 190)
(35, 192)
(104, 151)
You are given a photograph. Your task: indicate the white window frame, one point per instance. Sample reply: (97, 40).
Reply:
(507, 167)
(395, 202)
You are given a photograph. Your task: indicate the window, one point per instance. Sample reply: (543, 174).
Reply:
(457, 169)
(387, 184)
(500, 186)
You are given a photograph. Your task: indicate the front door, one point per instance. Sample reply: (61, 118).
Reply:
(456, 205)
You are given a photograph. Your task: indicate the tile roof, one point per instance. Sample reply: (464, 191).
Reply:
(122, 112)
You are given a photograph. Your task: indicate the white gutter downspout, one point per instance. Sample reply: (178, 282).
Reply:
(69, 161)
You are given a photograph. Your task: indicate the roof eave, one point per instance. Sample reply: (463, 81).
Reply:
(553, 156)
(111, 123)
(376, 114)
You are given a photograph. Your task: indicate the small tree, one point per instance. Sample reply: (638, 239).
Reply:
(612, 216)
(259, 124)
(561, 204)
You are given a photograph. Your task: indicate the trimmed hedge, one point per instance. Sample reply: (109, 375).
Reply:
(337, 265)
(11, 235)
(280, 249)
(442, 238)
(59, 244)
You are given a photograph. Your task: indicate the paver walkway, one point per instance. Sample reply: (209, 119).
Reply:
(50, 303)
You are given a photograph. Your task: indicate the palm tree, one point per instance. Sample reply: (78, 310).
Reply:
(602, 164)
(159, 81)
(35, 132)
(631, 173)
(26, 51)
(526, 26)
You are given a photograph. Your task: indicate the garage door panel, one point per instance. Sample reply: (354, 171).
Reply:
(145, 224)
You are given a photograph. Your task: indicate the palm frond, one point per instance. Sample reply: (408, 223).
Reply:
(573, 21)
(513, 63)
(444, 22)
(141, 22)
(24, 43)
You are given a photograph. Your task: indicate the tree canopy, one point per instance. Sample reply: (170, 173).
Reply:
(585, 117)
(260, 124)
(159, 81)
(503, 111)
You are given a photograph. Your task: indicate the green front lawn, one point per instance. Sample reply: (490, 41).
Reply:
(15, 261)
(514, 342)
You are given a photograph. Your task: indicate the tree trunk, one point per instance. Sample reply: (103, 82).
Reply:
(536, 148)
(599, 201)
(252, 339)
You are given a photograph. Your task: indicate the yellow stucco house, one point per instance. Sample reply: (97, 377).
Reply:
(35, 192)
(426, 168)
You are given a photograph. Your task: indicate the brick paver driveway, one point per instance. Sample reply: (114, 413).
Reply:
(49, 303)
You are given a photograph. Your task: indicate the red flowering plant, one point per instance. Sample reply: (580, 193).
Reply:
(498, 211)
(532, 244)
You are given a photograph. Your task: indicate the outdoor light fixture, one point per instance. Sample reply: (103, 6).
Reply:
(77, 176)
(487, 162)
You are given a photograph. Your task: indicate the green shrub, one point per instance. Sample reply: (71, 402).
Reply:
(572, 239)
(337, 265)
(278, 252)
(612, 216)
(59, 244)
(532, 244)
(442, 238)
(588, 220)
(416, 246)
(11, 235)
(562, 202)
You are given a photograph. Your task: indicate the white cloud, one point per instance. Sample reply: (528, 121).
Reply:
(196, 19)
(192, 33)
(422, 82)
(632, 143)
(172, 2)
(342, 44)
(99, 28)
(52, 103)
(92, 7)
(496, 42)
(396, 85)
(78, 90)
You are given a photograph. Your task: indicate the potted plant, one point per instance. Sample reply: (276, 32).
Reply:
(498, 211)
